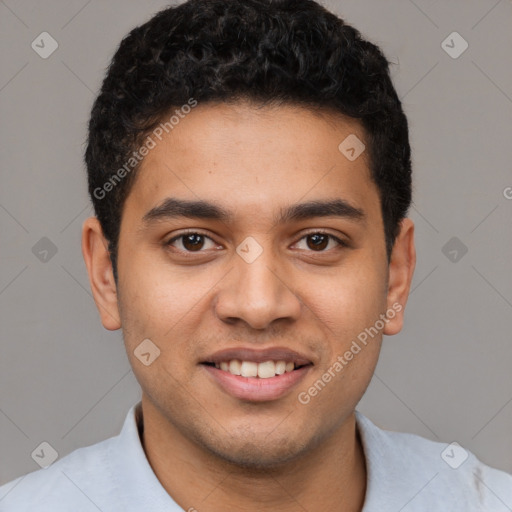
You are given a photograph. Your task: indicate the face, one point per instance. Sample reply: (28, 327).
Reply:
(249, 236)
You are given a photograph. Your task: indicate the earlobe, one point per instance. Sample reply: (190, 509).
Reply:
(401, 270)
(101, 277)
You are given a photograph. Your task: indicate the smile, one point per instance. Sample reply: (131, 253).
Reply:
(252, 369)
(257, 375)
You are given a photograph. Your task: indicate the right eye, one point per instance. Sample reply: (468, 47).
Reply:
(191, 241)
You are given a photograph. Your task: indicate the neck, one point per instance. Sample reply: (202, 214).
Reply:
(331, 477)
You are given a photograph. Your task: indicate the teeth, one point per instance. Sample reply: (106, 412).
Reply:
(249, 369)
(235, 367)
(280, 367)
(264, 370)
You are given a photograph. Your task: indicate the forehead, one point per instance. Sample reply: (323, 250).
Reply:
(252, 159)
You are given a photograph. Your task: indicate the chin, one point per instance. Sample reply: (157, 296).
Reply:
(258, 455)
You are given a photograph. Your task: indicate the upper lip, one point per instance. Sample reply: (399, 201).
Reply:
(259, 356)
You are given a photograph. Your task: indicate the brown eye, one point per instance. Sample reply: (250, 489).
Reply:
(318, 241)
(191, 242)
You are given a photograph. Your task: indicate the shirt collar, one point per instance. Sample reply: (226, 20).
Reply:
(139, 488)
(394, 468)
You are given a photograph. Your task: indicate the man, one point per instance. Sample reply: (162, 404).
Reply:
(249, 166)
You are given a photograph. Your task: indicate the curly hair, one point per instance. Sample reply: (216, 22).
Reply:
(265, 51)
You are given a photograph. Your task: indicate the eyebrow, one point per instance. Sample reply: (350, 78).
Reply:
(172, 208)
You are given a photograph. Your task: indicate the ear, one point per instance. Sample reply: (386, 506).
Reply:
(401, 270)
(101, 276)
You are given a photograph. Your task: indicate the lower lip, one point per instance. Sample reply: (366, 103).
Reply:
(255, 389)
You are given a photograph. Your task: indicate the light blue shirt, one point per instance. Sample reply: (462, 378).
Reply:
(406, 473)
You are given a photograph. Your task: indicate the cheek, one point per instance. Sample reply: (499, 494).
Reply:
(348, 301)
(159, 308)
(150, 295)
(161, 304)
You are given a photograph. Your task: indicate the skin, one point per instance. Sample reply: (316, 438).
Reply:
(209, 450)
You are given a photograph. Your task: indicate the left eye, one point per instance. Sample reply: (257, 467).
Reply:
(318, 242)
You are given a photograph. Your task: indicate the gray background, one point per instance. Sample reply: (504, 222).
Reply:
(447, 376)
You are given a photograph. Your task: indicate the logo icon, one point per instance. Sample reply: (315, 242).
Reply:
(45, 454)
(249, 250)
(454, 45)
(454, 249)
(44, 250)
(352, 147)
(146, 352)
(454, 455)
(44, 45)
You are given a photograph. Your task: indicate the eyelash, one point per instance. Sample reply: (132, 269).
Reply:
(340, 242)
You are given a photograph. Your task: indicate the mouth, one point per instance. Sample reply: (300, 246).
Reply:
(254, 370)
(257, 376)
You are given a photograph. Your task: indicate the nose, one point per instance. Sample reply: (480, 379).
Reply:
(257, 293)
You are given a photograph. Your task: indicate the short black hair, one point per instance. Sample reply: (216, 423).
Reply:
(265, 51)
